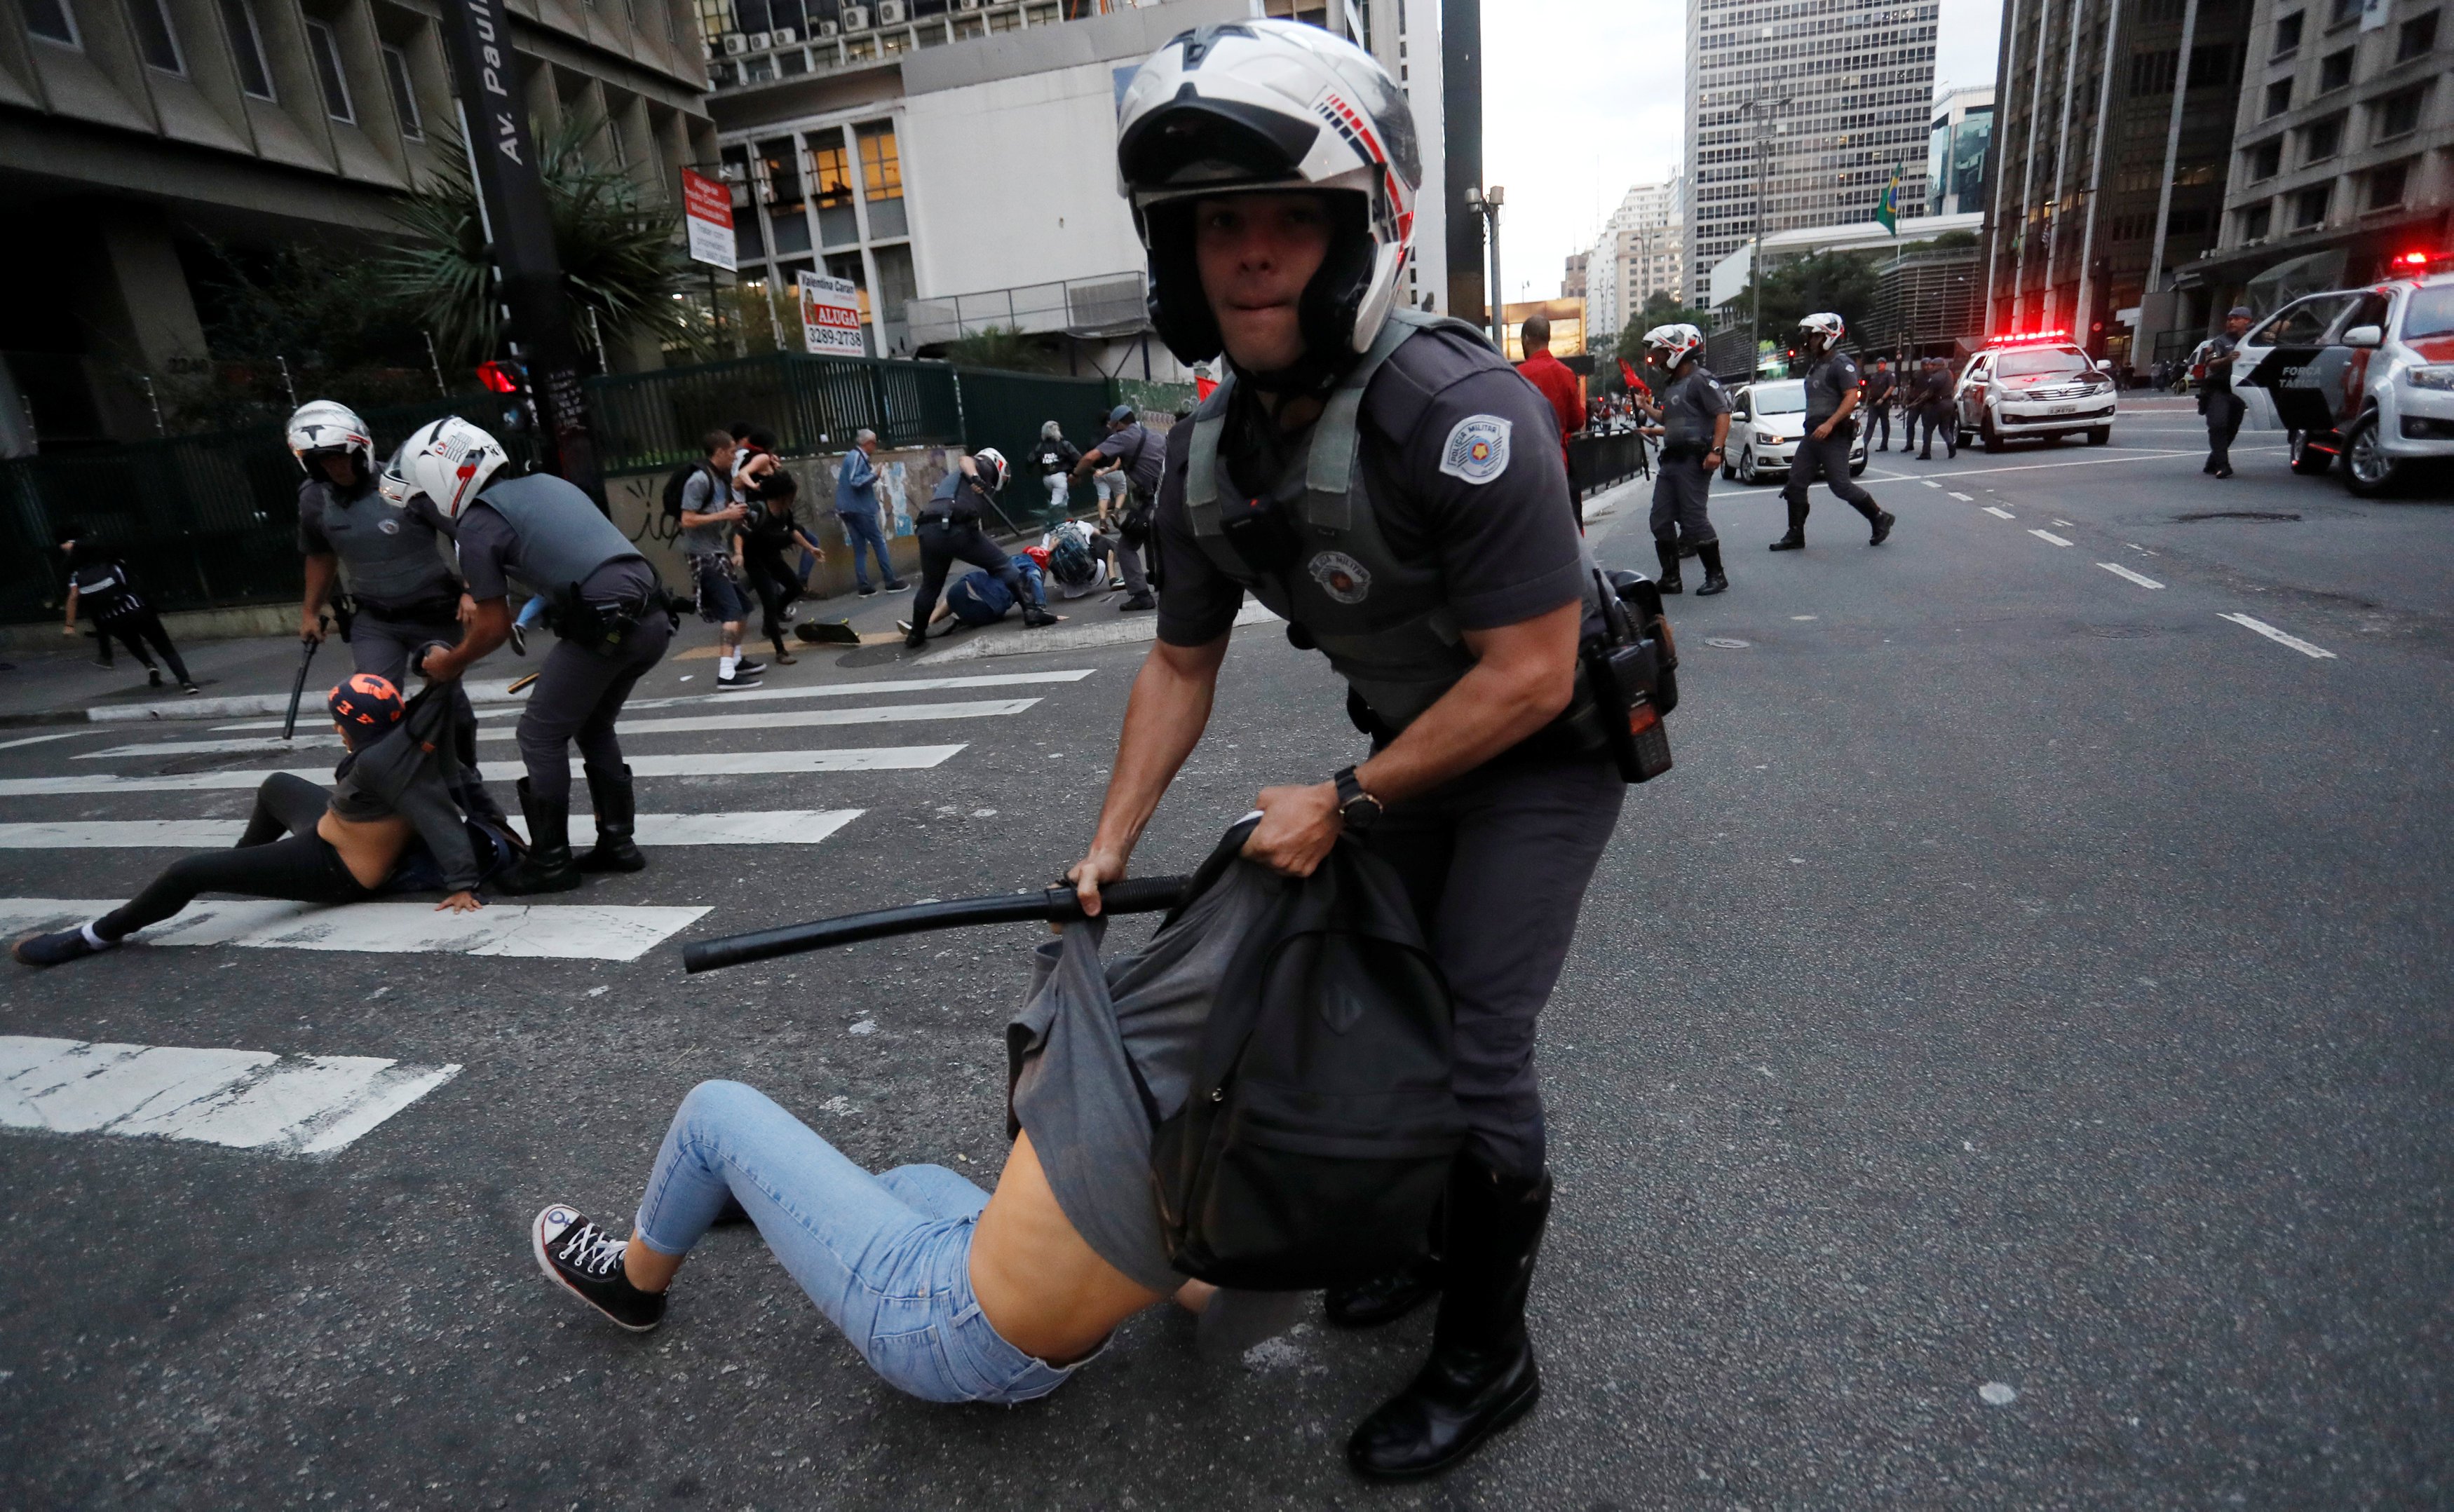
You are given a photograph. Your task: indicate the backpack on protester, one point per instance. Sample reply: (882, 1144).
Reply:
(1068, 557)
(674, 485)
(1315, 1140)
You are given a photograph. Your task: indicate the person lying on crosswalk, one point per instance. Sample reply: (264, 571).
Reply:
(979, 599)
(395, 786)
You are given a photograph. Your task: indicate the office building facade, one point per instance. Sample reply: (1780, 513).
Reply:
(1958, 144)
(1834, 96)
(1642, 251)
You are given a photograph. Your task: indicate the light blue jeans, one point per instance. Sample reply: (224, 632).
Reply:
(886, 1258)
(861, 530)
(532, 611)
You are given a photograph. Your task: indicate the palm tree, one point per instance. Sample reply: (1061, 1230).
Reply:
(621, 261)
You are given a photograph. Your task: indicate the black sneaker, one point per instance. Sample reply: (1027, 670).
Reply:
(153, 677)
(519, 639)
(896, 586)
(746, 668)
(585, 1261)
(866, 591)
(54, 949)
(735, 683)
(1138, 601)
(190, 689)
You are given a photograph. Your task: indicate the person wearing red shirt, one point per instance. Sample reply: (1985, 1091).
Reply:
(1554, 383)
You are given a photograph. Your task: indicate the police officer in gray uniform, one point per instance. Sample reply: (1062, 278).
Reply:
(610, 613)
(1386, 483)
(402, 595)
(1830, 398)
(1694, 414)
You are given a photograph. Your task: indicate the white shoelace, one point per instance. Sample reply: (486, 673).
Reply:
(593, 1252)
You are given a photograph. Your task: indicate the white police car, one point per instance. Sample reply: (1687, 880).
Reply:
(2037, 386)
(2367, 375)
(1768, 420)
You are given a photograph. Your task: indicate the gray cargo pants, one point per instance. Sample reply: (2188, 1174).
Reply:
(578, 695)
(1829, 458)
(1497, 863)
(1680, 487)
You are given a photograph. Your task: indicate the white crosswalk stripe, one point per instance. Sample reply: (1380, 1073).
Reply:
(714, 764)
(303, 1104)
(908, 685)
(539, 932)
(775, 827)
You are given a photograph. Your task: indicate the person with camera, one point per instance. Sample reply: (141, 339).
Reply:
(950, 532)
(1832, 398)
(612, 617)
(769, 532)
(1132, 452)
(1449, 588)
(708, 515)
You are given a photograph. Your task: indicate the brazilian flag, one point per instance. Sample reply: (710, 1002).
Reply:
(1887, 209)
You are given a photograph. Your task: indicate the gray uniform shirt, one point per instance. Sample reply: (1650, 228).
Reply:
(1143, 455)
(1688, 410)
(1829, 380)
(704, 494)
(490, 554)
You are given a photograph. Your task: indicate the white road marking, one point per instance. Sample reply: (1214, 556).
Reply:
(2066, 525)
(2049, 536)
(1124, 631)
(2136, 546)
(37, 740)
(2280, 638)
(1962, 497)
(2120, 571)
(306, 1104)
(570, 932)
(2095, 462)
(2000, 513)
(716, 763)
(692, 724)
(906, 685)
(784, 827)
(1931, 484)
(168, 834)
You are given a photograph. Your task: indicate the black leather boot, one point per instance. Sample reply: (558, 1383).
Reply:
(1481, 1375)
(616, 821)
(547, 866)
(1715, 580)
(1668, 552)
(1383, 1299)
(1796, 539)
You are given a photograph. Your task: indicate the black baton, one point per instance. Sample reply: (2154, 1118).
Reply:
(299, 690)
(1054, 905)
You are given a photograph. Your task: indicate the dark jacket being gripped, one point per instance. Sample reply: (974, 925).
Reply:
(409, 772)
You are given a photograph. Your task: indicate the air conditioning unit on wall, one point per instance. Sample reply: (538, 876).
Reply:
(786, 36)
(855, 18)
(890, 12)
(759, 42)
(735, 43)
(829, 28)
(969, 5)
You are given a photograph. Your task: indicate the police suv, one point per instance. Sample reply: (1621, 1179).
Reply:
(1768, 420)
(2367, 375)
(2041, 386)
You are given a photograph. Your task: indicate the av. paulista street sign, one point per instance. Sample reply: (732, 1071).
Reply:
(707, 212)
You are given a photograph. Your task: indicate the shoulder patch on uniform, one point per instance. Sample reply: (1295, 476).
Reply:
(1340, 576)
(1477, 450)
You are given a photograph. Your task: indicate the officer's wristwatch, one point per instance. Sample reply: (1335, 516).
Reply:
(1358, 808)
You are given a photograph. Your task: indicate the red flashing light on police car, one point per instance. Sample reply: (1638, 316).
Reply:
(2014, 338)
(2412, 260)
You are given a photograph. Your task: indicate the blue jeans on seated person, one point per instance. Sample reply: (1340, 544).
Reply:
(886, 1258)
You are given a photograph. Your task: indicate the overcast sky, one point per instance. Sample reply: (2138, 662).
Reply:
(1581, 98)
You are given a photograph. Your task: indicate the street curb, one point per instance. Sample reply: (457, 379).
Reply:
(489, 691)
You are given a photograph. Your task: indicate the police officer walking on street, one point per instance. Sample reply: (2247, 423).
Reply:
(1696, 425)
(1141, 455)
(402, 594)
(1832, 395)
(1387, 483)
(610, 613)
(2222, 408)
(949, 528)
(1880, 385)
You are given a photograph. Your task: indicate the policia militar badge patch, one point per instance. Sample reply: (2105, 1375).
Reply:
(1340, 576)
(1477, 448)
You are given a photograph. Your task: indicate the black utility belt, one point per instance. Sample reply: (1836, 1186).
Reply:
(949, 521)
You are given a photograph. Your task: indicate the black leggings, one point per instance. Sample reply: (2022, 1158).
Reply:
(133, 629)
(777, 586)
(303, 868)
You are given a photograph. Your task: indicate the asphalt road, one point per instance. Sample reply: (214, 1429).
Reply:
(2005, 1064)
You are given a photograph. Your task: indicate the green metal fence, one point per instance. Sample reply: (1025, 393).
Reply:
(1006, 409)
(201, 521)
(651, 421)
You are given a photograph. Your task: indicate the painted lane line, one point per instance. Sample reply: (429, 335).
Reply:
(2096, 462)
(37, 740)
(785, 826)
(2000, 513)
(756, 695)
(2140, 550)
(2049, 536)
(1931, 484)
(1962, 497)
(2120, 571)
(692, 724)
(302, 1104)
(1114, 632)
(2066, 525)
(570, 932)
(2279, 637)
(719, 764)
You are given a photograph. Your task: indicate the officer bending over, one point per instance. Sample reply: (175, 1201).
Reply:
(950, 532)
(609, 610)
(401, 594)
(1386, 483)
(2222, 408)
(1136, 458)
(1696, 424)
(1830, 398)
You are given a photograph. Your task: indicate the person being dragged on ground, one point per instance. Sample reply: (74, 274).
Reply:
(979, 599)
(394, 789)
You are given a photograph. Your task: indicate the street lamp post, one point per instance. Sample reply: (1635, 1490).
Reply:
(1486, 204)
(1760, 107)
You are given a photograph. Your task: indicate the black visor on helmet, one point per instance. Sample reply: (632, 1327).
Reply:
(1192, 141)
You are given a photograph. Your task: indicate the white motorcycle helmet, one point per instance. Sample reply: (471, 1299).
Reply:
(1824, 324)
(1673, 344)
(324, 427)
(1260, 105)
(993, 469)
(450, 461)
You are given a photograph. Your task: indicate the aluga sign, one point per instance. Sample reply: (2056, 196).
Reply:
(831, 316)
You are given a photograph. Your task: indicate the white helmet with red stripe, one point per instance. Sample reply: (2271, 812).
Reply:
(1260, 105)
(328, 427)
(449, 461)
(1673, 344)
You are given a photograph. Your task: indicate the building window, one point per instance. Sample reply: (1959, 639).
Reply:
(2279, 98)
(2309, 206)
(324, 49)
(831, 177)
(2211, 66)
(2256, 221)
(2152, 72)
(2264, 159)
(2335, 70)
(404, 94)
(881, 172)
(2386, 184)
(2288, 33)
(2399, 115)
(247, 47)
(779, 169)
(2418, 36)
(51, 21)
(2322, 139)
